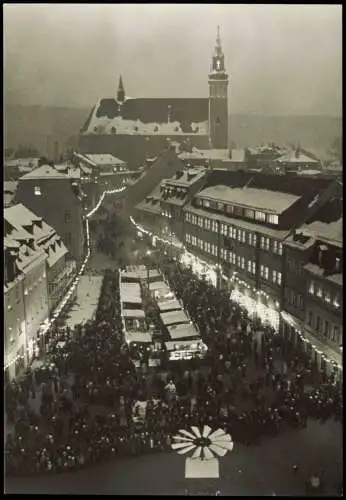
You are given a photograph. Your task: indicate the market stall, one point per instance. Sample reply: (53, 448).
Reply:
(183, 331)
(170, 305)
(130, 293)
(174, 317)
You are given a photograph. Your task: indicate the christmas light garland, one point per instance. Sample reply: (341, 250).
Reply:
(48, 323)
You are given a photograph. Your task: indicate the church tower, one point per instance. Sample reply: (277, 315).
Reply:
(218, 103)
(121, 91)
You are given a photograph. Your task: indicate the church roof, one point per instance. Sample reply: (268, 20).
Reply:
(170, 115)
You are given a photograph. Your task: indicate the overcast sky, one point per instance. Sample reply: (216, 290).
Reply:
(282, 59)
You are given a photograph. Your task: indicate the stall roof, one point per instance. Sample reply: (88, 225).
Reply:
(183, 331)
(140, 337)
(174, 317)
(133, 313)
(140, 273)
(158, 285)
(169, 305)
(130, 292)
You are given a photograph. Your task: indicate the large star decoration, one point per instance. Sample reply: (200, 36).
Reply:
(206, 444)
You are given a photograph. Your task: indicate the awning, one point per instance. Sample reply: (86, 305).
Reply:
(138, 337)
(174, 317)
(133, 313)
(169, 305)
(183, 331)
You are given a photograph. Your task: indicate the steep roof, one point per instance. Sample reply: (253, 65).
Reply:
(182, 112)
(297, 157)
(100, 159)
(262, 199)
(20, 217)
(47, 171)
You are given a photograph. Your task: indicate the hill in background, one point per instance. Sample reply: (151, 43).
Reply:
(32, 125)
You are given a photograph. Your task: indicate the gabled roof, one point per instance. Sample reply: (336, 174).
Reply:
(47, 171)
(109, 113)
(297, 157)
(261, 199)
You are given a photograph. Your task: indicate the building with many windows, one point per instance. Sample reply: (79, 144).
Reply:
(57, 196)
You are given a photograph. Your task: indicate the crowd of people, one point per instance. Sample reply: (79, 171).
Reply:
(96, 405)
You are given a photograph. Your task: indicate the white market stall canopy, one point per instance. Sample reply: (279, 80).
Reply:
(159, 286)
(139, 273)
(131, 293)
(133, 313)
(183, 331)
(186, 344)
(174, 317)
(169, 305)
(138, 337)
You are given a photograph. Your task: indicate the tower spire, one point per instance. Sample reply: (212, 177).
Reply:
(218, 48)
(121, 91)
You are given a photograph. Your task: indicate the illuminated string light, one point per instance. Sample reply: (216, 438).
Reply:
(190, 258)
(48, 323)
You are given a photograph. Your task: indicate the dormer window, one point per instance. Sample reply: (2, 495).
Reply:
(272, 219)
(37, 191)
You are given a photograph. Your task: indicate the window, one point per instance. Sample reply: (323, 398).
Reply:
(229, 209)
(336, 335)
(260, 216)
(187, 217)
(238, 260)
(250, 214)
(292, 298)
(242, 262)
(267, 244)
(224, 229)
(272, 219)
(312, 288)
(251, 266)
(188, 238)
(200, 221)
(264, 272)
(220, 206)
(300, 300)
(243, 236)
(37, 190)
(337, 265)
(207, 224)
(319, 292)
(280, 248)
(279, 278)
(231, 232)
(67, 216)
(235, 233)
(252, 239)
(275, 246)
(239, 234)
(274, 277)
(327, 297)
(310, 319)
(232, 258)
(238, 211)
(318, 323)
(326, 330)
(336, 301)
(214, 226)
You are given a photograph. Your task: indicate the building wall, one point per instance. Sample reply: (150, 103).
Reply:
(14, 324)
(59, 276)
(59, 206)
(35, 300)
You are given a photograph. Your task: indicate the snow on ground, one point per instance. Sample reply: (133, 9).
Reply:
(88, 293)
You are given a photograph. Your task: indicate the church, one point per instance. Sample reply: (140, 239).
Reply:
(135, 129)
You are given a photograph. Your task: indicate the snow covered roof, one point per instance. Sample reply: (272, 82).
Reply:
(147, 113)
(186, 177)
(331, 232)
(131, 293)
(133, 313)
(22, 162)
(47, 171)
(261, 199)
(174, 317)
(183, 331)
(10, 242)
(138, 337)
(56, 250)
(139, 273)
(169, 305)
(159, 286)
(100, 159)
(309, 172)
(20, 218)
(216, 154)
(10, 186)
(336, 278)
(297, 157)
